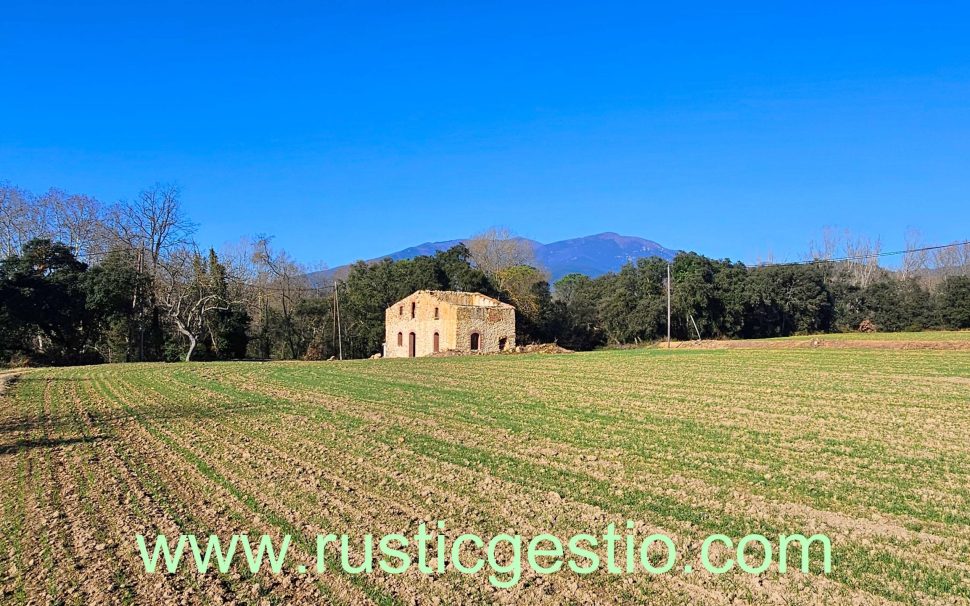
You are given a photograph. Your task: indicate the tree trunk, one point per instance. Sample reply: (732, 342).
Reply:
(215, 342)
(188, 354)
(185, 331)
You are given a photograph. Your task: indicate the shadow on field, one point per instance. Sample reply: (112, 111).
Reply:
(21, 445)
(71, 420)
(74, 415)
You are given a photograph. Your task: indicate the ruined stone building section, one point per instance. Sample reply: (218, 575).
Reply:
(431, 321)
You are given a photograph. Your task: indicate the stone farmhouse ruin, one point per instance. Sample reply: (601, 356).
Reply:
(432, 321)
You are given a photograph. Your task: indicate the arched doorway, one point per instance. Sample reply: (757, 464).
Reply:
(436, 342)
(412, 345)
(475, 341)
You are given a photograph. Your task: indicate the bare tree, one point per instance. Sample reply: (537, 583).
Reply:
(863, 259)
(22, 218)
(914, 259)
(952, 260)
(153, 224)
(510, 263)
(824, 251)
(496, 249)
(518, 282)
(281, 282)
(767, 259)
(77, 221)
(827, 248)
(238, 257)
(188, 295)
(10, 205)
(846, 258)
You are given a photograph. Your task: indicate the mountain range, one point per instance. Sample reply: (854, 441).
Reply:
(591, 255)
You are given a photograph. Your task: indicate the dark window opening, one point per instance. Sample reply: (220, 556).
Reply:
(475, 339)
(435, 313)
(413, 307)
(501, 343)
(400, 310)
(400, 339)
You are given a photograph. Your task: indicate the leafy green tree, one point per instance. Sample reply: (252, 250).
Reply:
(786, 299)
(526, 288)
(43, 297)
(895, 305)
(370, 288)
(695, 296)
(729, 282)
(459, 274)
(632, 306)
(538, 319)
(849, 303)
(577, 295)
(114, 306)
(226, 326)
(953, 302)
(315, 318)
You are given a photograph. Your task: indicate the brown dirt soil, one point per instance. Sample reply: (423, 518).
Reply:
(543, 348)
(867, 447)
(8, 378)
(540, 348)
(820, 342)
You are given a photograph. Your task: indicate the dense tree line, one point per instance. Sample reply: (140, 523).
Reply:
(83, 282)
(55, 309)
(714, 299)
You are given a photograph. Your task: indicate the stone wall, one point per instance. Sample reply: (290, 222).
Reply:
(397, 319)
(492, 324)
(458, 316)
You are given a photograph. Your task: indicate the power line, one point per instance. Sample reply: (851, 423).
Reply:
(864, 257)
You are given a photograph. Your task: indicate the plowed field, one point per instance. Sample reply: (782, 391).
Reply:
(871, 447)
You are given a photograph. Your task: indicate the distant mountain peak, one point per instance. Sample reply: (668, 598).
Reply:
(597, 254)
(592, 255)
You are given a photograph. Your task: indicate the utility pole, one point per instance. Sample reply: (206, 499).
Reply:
(336, 308)
(335, 313)
(668, 306)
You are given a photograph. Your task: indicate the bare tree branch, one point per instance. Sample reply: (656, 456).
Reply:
(496, 249)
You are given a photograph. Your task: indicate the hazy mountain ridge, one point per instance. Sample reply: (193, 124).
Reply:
(591, 255)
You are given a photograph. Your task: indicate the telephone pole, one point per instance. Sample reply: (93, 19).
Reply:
(668, 306)
(336, 311)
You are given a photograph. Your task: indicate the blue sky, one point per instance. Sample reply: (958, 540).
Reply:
(348, 130)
